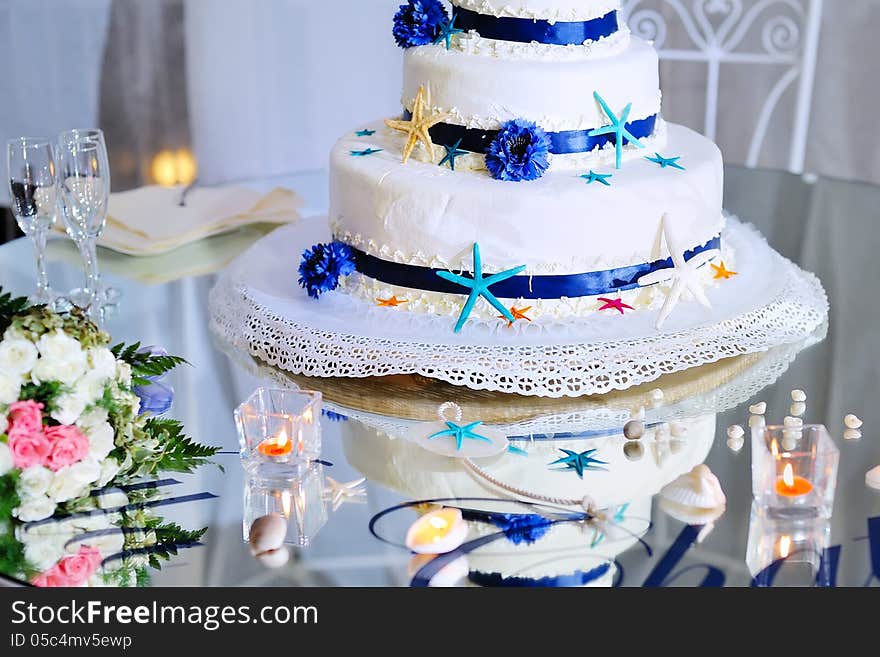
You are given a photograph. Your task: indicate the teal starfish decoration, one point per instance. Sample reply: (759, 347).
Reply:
(365, 152)
(479, 287)
(452, 152)
(617, 128)
(579, 462)
(460, 433)
(366, 132)
(666, 161)
(447, 31)
(519, 451)
(597, 177)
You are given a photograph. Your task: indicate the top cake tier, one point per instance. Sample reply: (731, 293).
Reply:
(549, 10)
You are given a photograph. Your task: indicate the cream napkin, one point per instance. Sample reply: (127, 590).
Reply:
(150, 220)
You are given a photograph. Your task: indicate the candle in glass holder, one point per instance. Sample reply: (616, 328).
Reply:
(790, 485)
(437, 532)
(278, 445)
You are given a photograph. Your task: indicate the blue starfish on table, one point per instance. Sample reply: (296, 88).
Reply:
(365, 152)
(452, 152)
(617, 128)
(447, 31)
(479, 287)
(666, 161)
(366, 132)
(579, 462)
(597, 177)
(460, 433)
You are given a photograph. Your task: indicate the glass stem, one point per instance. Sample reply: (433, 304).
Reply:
(39, 240)
(90, 265)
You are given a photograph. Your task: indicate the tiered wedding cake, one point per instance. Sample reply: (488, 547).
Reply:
(530, 176)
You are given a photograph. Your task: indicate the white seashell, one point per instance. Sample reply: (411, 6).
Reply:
(756, 421)
(758, 409)
(852, 434)
(274, 558)
(798, 396)
(697, 489)
(798, 408)
(634, 430)
(852, 422)
(872, 478)
(793, 422)
(735, 431)
(633, 451)
(450, 575)
(789, 443)
(678, 430)
(267, 533)
(736, 444)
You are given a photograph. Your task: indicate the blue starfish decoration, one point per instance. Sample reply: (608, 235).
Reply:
(460, 433)
(666, 161)
(452, 152)
(519, 451)
(617, 128)
(447, 30)
(366, 132)
(597, 177)
(365, 152)
(579, 462)
(479, 287)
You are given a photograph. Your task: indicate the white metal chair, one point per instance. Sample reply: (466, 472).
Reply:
(718, 29)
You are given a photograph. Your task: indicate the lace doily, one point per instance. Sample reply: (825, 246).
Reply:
(257, 306)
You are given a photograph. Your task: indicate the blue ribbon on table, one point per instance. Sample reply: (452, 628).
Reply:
(571, 286)
(561, 143)
(576, 578)
(526, 30)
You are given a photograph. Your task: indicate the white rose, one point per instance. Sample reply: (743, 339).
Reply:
(107, 544)
(34, 508)
(59, 346)
(17, 356)
(45, 552)
(113, 499)
(109, 470)
(6, 462)
(95, 417)
(123, 373)
(63, 370)
(101, 441)
(91, 386)
(102, 362)
(69, 407)
(10, 387)
(34, 481)
(73, 481)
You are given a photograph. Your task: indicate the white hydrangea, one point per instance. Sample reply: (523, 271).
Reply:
(123, 373)
(45, 552)
(6, 461)
(61, 359)
(69, 407)
(34, 481)
(10, 387)
(34, 508)
(94, 417)
(101, 439)
(72, 481)
(102, 362)
(17, 356)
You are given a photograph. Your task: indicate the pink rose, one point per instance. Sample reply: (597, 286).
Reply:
(77, 568)
(25, 418)
(50, 579)
(69, 446)
(29, 449)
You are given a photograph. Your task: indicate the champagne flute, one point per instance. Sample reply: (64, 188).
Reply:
(32, 186)
(83, 189)
(81, 296)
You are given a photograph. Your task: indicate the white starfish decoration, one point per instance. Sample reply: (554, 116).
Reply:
(683, 275)
(339, 493)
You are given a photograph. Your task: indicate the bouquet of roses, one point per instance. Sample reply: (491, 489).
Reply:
(76, 416)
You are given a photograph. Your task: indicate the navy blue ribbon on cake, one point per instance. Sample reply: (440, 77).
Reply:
(527, 30)
(561, 143)
(572, 286)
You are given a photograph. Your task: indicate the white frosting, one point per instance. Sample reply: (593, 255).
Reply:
(551, 10)
(473, 44)
(483, 91)
(421, 213)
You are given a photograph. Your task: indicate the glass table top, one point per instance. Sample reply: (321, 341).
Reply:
(375, 427)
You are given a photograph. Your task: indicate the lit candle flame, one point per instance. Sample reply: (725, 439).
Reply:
(285, 503)
(784, 546)
(788, 476)
(774, 448)
(438, 523)
(277, 445)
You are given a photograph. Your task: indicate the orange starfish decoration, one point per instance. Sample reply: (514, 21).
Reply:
(518, 313)
(416, 129)
(721, 271)
(393, 302)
